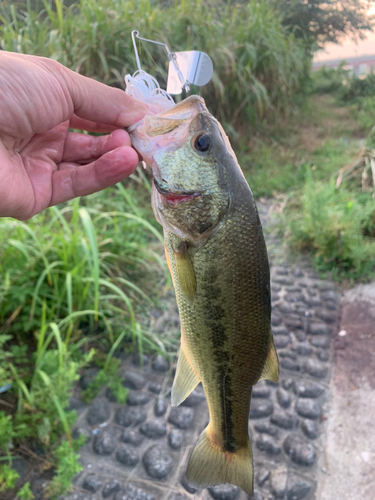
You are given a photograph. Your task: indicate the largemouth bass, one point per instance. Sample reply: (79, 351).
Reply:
(217, 257)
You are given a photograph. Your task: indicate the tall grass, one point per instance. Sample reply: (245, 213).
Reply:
(258, 66)
(81, 264)
(76, 284)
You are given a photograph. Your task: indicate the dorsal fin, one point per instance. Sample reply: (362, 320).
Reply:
(185, 380)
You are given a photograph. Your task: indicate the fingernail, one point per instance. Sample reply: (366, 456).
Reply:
(127, 118)
(154, 108)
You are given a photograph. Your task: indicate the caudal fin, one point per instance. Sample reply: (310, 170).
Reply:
(209, 465)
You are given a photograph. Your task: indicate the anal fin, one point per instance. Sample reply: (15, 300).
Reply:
(185, 380)
(271, 366)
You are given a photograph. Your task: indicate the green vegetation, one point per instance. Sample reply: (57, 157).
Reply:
(356, 93)
(259, 67)
(68, 466)
(302, 164)
(330, 80)
(77, 282)
(318, 138)
(75, 260)
(358, 88)
(337, 226)
(8, 476)
(25, 492)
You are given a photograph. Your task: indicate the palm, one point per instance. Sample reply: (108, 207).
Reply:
(30, 171)
(42, 163)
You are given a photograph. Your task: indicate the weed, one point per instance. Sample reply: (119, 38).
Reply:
(322, 137)
(42, 405)
(68, 274)
(8, 477)
(358, 88)
(68, 466)
(79, 263)
(259, 66)
(111, 379)
(356, 93)
(7, 432)
(108, 375)
(330, 80)
(363, 110)
(25, 492)
(334, 225)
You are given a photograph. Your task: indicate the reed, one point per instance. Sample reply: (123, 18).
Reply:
(259, 67)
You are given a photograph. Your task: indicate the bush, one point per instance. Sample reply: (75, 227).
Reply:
(364, 112)
(337, 227)
(329, 80)
(359, 88)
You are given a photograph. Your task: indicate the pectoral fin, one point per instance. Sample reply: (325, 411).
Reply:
(185, 272)
(185, 380)
(271, 366)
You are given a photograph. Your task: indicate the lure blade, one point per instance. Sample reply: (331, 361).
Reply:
(196, 68)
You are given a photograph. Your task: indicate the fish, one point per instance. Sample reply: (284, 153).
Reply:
(217, 257)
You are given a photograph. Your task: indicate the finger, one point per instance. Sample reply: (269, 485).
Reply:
(79, 180)
(100, 103)
(81, 147)
(81, 124)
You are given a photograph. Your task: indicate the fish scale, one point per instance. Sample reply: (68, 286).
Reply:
(218, 261)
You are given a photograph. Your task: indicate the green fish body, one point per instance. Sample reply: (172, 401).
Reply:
(218, 261)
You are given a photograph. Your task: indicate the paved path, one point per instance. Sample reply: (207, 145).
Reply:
(138, 451)
(350, 454)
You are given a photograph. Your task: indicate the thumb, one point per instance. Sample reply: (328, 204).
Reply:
(100, 103)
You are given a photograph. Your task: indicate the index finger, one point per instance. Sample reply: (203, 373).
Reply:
(90, 126)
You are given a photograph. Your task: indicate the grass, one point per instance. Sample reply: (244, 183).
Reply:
(38, 401)
(81, 263)
(321, 137)
(300, 164)
(78, 282)
(259, 68)
(337, 227)
(364, 112)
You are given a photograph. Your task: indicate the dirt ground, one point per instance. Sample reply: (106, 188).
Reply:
(350, 447)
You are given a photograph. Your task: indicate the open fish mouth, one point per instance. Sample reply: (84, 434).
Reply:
(175, 197)
(167, 130)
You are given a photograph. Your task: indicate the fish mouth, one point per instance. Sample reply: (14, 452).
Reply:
(175, 197)
(169, 119)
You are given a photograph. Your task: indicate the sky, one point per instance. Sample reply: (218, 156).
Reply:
(348, 48)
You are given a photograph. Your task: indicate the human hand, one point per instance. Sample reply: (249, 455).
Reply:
(41, 162)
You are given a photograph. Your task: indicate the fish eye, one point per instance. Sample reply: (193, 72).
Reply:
(202, 143)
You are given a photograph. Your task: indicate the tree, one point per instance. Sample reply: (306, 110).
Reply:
(322, 21)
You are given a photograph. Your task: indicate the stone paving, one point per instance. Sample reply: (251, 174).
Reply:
(139, 451)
